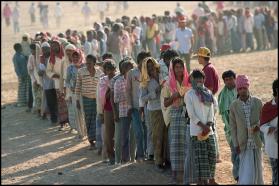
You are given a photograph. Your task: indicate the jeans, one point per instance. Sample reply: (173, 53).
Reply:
(249, 41)
(51, 99)
(138, 129)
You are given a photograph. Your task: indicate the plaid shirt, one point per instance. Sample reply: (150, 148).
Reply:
(247, 112)
(120, 96)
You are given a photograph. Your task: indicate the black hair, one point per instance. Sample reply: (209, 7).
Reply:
(33, 46)
(142, 55)
(169, 54)
(109, 64)
(197, 73)
(17, 46)
(124, 65)
(177, 60)
(92, 58)
(275, 87)
(107, 55)
(228, 73)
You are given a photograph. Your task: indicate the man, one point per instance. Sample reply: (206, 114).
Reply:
(211, 82)
(86, 86)
(113, 43)
(185, 39)
(248, 27)
(244, 122)
(152, 31)
(86, 11)
(133, 95)
(48, 84)
(226, 97)
(179, 11)
(7, 13)
(20, 65)
(32, 11)
(269, 126)
(16, 16)
(58, 14)
(200, 105)
(168, 55)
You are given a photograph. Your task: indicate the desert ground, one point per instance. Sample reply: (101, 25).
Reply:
(34, 152)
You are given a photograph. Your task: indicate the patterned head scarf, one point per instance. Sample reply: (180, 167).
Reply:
(144, 79)
(52, 55)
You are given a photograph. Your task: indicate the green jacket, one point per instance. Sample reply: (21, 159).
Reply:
(238, 123)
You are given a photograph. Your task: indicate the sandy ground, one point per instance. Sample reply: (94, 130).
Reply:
(34, 152)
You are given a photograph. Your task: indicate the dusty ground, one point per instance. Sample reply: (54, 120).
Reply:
(34, 152)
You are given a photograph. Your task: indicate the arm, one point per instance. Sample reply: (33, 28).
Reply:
(232, 124)
(129, 88)
(30, 68)
(145, 95)
(78, 84)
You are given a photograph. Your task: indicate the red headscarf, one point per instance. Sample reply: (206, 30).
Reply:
(81, 55)
(52, 55)
(172, 79)
(269, 112)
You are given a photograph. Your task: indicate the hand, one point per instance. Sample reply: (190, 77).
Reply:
(271, 130)
(56, 76)
(116, 118)
(101, 118)
(78, 105)
(256, 129)
(205, 130)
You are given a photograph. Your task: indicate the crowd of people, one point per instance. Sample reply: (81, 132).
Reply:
(128, 88)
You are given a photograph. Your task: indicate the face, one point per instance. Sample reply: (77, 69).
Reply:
(229, 82)
(182, 24)
(151, 70)
(75, 59)
(110, 73)
(243, 92)
(200, 60)
(56, 48)
(46, 51)
(24, 39)
(33, 52)
(200, 81)
(90, 65)
(128, 69)
(178, 69)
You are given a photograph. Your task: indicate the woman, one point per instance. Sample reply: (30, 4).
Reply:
(173, 93)
(76, 119)
(150, 88)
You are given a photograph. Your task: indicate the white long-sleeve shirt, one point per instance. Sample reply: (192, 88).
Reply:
(197, 111)
(249, 24)
(271, 146)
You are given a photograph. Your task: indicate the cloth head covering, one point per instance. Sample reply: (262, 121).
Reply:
(52, 55)
(45, 44)
(81, 55)
(242, 81)
(165, 47)
(172, 80)
(144, 78)
(70, 47)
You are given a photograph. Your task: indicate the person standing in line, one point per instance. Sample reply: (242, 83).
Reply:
(7, 14)
(212, 82)
(248, 27)
(32, 12)
(20, 66)
(200, 104)
(227, 95)
(16, 16)
(245, 114)
(58, 14)
(86, 12)
(269, 126)
(185, 39)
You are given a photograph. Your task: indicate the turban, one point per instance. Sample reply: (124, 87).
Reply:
(242, 81)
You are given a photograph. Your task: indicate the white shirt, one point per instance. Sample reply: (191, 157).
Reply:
(57, 68)
(183, 37)
(197, 111)
(271, 145)
(58, 11)
(248, 24)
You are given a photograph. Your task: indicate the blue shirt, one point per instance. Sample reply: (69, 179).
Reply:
(259, 20)
(71, 77)
(20, 64)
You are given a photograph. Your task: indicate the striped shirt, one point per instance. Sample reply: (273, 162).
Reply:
(120, 96)
(86, 85)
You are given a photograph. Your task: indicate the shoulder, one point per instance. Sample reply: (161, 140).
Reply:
(256, 100)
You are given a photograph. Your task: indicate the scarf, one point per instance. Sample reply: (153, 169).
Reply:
(269, 112)
(52, 54)
(81, 56)
(203, 93)
(144, 78)
(172, 81)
